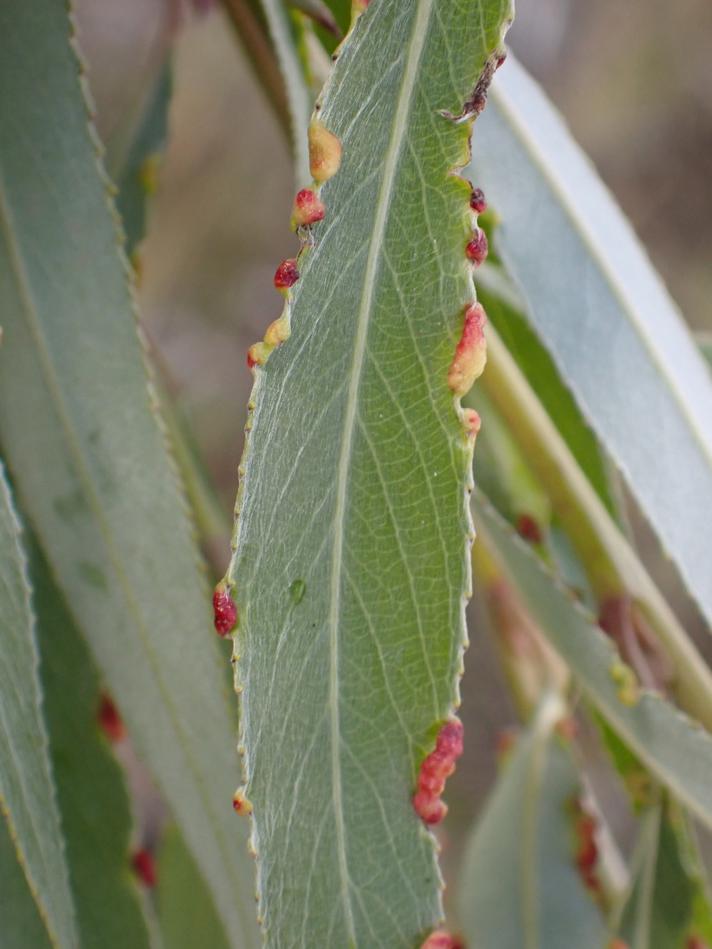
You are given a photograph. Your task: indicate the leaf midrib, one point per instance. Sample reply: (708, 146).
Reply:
(416, 45)
(84, 477)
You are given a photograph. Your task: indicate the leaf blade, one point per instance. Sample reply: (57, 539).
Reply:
(673, 747)
(27, 798)
(562, 238)
(365, 318)
(91, 794)
(80, 436)
(520, 887)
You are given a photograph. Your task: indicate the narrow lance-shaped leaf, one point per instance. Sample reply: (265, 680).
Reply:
(351, 568)
(521, 887)
(185, 908)
(27, 797)
(89, 456)
(22, 927)
(667, 907)
(676, 750)
(137, 175)
(92, 798)
(508, 314)
(604, 315)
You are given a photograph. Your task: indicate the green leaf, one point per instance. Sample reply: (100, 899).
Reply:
(520, 886)
(137, 175)
(351, 563)
(27, 797)
(674, 748)
(92, 799)
(89, 456)
(22, 927)
(185, 907)
(507, 313)
(605, 317)
(667, 904)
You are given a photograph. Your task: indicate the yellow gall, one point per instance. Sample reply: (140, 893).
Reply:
(240, 803)
(471, 352)
(324, 152)
(277, 332)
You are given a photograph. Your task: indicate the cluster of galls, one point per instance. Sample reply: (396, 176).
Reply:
(308, 209)
(435, 771)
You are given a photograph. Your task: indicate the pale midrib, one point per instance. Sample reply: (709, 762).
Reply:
(26, 299)
(390, 166)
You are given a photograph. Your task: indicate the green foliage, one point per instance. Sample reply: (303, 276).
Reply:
(86, 449)
(27, 799)
(354, 483)
(603, 314)
(668, 904)
(96, 820)
(351, 561)
(185, 907)
(677, 750)
(520, 886)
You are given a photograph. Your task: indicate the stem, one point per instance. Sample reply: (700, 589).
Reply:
(252, 31)
(611, 565)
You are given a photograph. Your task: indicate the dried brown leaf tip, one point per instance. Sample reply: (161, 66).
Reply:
(471, 352)
(324, 152)
(435, 771)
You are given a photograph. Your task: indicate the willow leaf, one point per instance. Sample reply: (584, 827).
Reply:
(668, 907)
(520, 887)
(351, 563)
(27, 797)
(136, 176)
(675, 749)
(604, 315)
(185, 908)
(89, 456)
(508, 314)
(91, 794)
(21, 926)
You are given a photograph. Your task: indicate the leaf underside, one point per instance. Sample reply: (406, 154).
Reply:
(351, 568)
(676, 750)
(27, 799)
(520, 886)
(604, 315)
(92, 798)
(89, 456)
